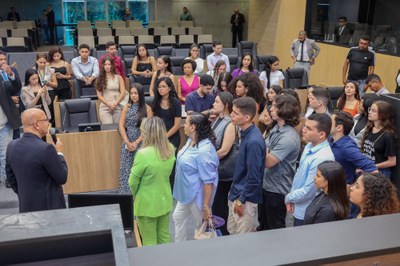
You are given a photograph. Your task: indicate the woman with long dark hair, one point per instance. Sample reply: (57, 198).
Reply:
(62, 70)
(110, 89)
(332, 203)
(273, 92)
(35, 95)
(129, 129)
(196, 175)
(361, 120)
(225, 137)
(350, 99)
(246, 66)
(149, 183)
(380, 137)
(375, 195)
(219, 68)
(164, 69)
(143, 65)
(271, 74)
(223, 82)
(167, 106)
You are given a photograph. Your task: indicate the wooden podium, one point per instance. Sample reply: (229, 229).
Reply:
(93, 160)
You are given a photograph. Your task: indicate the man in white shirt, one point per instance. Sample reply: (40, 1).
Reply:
(85, 67)
(374, 83)
(213, 58)
(304, 51)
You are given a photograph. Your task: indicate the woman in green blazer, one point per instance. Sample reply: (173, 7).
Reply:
(149, 183)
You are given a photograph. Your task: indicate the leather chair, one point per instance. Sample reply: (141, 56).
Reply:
(164, 50)
(335, 93)
(247, 47)
(234, 62)
(295, 78)
(176, 62)
(84, 92)
(260, 62)
(205, 50)
(76, 111)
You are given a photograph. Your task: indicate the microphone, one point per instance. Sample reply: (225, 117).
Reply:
(52, 132)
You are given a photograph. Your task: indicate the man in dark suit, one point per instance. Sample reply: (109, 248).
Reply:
(36, 170)
(343, 31)
(10, 88)
(237, 21)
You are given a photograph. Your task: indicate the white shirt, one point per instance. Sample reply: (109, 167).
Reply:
(398, 80)
(275, 78)
(305, 54)
(199, 65)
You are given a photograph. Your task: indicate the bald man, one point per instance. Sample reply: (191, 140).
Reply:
(36, 170)
(304, 51)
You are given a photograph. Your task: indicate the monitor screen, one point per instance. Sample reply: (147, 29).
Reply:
(91, 199)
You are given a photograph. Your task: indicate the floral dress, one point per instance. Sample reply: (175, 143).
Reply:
(127, 157)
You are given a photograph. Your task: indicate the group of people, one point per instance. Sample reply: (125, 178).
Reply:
(247, 155)
(319, 172)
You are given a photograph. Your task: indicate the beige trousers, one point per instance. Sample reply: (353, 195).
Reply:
(244, 224)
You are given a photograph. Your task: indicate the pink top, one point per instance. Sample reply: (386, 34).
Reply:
(186, 88)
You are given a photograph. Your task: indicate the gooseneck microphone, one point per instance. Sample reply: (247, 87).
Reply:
(53, 135)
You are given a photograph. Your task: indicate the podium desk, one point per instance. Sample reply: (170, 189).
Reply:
(93, 160)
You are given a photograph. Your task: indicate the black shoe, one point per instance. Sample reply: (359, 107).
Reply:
(8, 184)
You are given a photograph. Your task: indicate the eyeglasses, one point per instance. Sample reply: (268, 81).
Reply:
(43, 120)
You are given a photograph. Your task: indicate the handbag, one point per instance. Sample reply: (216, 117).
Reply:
(227, 165)
(125, 100)
(206, 231)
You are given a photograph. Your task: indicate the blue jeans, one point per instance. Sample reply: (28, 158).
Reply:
(6, 135)
(298, 222)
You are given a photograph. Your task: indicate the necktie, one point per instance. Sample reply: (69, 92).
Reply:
(341, 30)
(4, 75)
(301, 52)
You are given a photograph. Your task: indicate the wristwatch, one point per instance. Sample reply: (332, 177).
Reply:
(238, 203)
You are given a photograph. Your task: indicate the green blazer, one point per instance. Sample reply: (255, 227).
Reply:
(149, 183)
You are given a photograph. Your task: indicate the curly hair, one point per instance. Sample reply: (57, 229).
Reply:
(342, 98)
(203, 127)
(289, 109)
(254, 86)
(387, 121)
(101, 83)
(270, 61)
(379, 196)
(217, 66)
(171, 97)
(333, 173)
(142, 112)
(191, 62)
(54, 50)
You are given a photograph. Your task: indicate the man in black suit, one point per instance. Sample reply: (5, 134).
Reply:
(13, 15)
(10, 88)
(237, 21)
(36, 170)
(343, 31)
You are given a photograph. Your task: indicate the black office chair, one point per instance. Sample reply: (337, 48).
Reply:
(260, 62)
(247, 47)
(335, 93)
(176, 62)
(295, 78)
(164, 50)
(205, 50)
(84, 92)
(234, 61)
(77, 111)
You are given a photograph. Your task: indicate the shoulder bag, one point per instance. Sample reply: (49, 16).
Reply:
(227, 165)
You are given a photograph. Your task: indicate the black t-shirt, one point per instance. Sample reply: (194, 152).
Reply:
(360, 60)
(169, 119)
(379, 146)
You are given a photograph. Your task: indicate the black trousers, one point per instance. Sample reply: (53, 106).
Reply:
(272, 212)
(220, 205)
(239, 35)
(52, 31)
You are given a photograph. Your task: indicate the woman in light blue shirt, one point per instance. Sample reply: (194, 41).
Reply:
(196, 175)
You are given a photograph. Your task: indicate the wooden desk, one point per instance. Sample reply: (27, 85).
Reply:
(93, 160)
